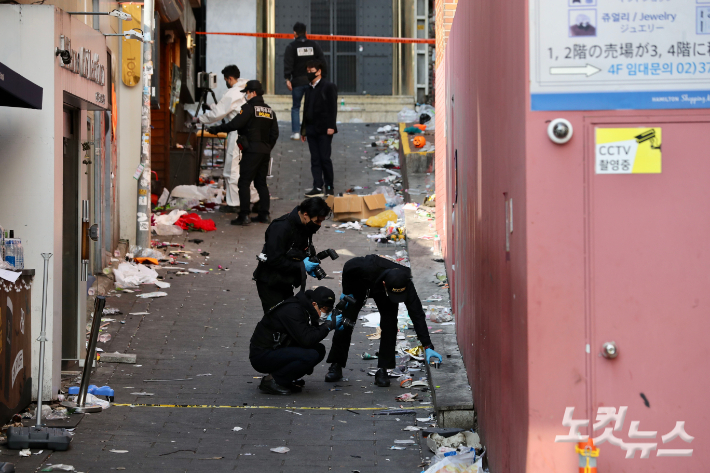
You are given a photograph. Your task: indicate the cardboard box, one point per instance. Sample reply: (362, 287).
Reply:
(351, 207)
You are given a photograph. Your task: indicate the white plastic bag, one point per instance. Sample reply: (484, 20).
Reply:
(465, 463)
(203, 193)
(407, 115)
(383, 159)
(133, 275)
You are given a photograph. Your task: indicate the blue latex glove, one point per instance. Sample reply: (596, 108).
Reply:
(337, 325)
(342, 296)
(310, 266)
(429, 353)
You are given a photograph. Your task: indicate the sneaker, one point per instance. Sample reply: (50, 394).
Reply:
(296, 136)
(242, 220)
(262, 218)
(315, 192)
(329, 190)
(335, 373)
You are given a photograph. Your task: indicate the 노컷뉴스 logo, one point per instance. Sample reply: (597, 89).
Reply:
(605, 415)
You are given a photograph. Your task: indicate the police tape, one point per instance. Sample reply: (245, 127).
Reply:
(288, 408)
(330, 37)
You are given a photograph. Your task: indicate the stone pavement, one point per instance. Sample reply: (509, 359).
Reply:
(197, 341)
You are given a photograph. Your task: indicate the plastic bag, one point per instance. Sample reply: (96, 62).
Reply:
(203, 193)
(384, 159)
(132, 275)
(164, 230)
(407, 115)
(465, 463)
(380, 220)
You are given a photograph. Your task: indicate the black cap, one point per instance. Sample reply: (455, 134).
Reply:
(324, 297)
(253, 86)
(396, 284)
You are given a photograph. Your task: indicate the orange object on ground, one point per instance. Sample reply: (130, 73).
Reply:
(420, 126)
(419, 141)
(149, 260)
(588, 454)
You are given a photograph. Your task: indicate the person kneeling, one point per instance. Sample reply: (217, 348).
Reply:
(286, 342)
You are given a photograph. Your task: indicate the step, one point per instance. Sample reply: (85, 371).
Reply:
(360, 108)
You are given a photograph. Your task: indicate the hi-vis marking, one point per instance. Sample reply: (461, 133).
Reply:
(304, 51)
(209, 406)
(264, 112)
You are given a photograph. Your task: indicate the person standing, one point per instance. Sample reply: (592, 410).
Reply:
(287, 243)
(389, 284)
(227, 108)
(297, 54)
(258, 133)
(319, 125)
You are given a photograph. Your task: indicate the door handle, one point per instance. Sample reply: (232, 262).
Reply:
(88, 232)
(610, 350)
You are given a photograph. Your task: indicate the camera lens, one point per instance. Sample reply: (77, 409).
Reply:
(319, 272)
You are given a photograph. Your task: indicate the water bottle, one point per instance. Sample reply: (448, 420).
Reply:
(19, 255)
(2, 244)
(10, 251)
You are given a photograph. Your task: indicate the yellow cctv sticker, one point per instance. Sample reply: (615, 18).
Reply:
(628, 151)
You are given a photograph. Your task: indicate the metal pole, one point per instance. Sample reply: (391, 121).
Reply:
(91, 352)
(42, 339)
(143, 212)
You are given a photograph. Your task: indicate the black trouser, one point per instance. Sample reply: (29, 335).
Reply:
(253, 167)
(287, 364)
(388, 324)
(272, 294)
(321, 165)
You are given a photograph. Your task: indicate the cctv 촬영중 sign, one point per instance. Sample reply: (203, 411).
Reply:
(619, 55)
(627, 151)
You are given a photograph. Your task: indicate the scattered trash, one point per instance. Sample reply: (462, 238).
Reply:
(406, 397)
(375, 336)
(280, 450)
(133, 275)
(412, 428)
(162, 284)
(139, 313)
(118, 357)
(402, 442)
(25, 452)
(142, 394)
(57, 467)
(464, 439)
(397, 448)
(237, 429)
(104, 337)
(434, 298)
(118, 451)
(151, 295)
(394, 412)
(464, 463)
(367, 356)
(198, 271)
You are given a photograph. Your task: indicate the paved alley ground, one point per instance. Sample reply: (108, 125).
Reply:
(196, 340)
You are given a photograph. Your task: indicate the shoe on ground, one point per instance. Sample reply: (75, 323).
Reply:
(335, 373)
(262, 219)
(242, 220)
(300, 382)
(315, 192)
(329, 190)
(295, 388)
(382, 379)
(229, 209)
(270, 386)
(296, 136)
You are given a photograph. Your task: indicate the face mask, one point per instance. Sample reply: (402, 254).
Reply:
(311, 76)
(313, 226)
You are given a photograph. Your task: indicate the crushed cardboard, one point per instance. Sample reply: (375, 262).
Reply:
(351, 207)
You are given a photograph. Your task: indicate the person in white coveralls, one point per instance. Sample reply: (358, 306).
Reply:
(227, 108)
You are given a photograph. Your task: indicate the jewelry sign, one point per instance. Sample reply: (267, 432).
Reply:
(619, 54)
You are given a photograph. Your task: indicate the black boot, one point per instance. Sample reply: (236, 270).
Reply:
(382, 379)
(270, 386)
(335, 373)
(262, 218)
(242, 220)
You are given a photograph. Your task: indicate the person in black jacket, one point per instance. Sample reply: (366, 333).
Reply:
(258, 132)
(319, 125)
(286, 342)
(388, 283)
(297, 54)
(288, 241)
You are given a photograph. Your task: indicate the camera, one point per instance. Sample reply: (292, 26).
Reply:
(206, 80)
(64, 54)
(560, 131)
(340, 307)
(318, 271)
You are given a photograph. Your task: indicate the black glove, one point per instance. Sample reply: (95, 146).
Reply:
(205, 108)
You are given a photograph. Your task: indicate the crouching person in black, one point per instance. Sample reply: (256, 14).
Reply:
(286, 342)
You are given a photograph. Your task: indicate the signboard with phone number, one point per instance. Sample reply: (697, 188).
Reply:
(619, 54)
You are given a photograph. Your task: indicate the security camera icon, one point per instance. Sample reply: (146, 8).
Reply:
(560, 131)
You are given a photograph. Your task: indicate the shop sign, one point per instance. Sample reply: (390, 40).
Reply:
(83, 62)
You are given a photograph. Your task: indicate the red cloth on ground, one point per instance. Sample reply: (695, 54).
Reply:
(194, 222)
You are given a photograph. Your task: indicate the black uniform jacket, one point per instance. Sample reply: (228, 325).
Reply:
(297, 54)
(363, 276)
(294, 317)
(287, 243)
(320, 110)
(256, 121)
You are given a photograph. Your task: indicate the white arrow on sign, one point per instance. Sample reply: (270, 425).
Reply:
(587, 70)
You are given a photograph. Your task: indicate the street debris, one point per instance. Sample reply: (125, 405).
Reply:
(406, 397)
(25, 452)
(118, 357)
(237, 429)
(118, 451)
(152, 295)
(58, 467)
(280, 450)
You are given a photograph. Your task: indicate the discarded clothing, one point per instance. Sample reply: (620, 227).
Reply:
(195, 222)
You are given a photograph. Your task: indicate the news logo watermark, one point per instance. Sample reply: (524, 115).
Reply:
(607, 415)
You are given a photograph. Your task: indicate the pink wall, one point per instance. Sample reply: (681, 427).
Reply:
(486, 101)
(525, 317)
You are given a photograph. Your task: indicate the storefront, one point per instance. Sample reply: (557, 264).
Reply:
(48, 161)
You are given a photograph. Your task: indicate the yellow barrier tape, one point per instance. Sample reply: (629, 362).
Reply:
(290, 408)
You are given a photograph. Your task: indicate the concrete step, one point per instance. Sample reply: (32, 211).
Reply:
(367, 108)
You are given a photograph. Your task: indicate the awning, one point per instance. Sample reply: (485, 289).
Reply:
(16, 91)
